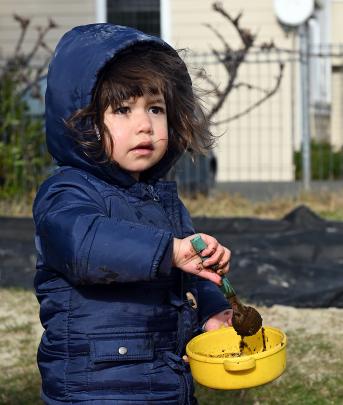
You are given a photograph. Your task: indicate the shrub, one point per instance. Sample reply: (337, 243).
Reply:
(24, 160)
(326, 163)
(23, 157)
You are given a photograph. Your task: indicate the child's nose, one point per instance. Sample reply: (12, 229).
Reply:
(144, 123)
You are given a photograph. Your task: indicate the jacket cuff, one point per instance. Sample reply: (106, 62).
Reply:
(211, 300)
(164, 263)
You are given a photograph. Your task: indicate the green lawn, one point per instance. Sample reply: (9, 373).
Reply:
(313, 374)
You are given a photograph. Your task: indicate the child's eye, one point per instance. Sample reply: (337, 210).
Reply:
(156, 109)
(122, 110)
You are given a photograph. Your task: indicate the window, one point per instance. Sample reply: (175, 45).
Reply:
(141, 14)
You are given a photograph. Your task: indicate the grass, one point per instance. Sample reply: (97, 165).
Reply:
(313, 374)
(16, 207)
(312, 377)
(327, 204)
(19, 334)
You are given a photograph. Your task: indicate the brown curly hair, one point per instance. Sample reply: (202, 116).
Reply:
(138, 70)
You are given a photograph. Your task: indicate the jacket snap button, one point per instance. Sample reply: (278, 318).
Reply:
(122, 350)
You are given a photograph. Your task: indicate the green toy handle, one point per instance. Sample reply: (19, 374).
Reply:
(227, 288)
(199, 245)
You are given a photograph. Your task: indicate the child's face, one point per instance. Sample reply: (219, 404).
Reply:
(139, 131)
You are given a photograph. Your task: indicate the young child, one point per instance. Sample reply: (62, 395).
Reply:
(120, 288)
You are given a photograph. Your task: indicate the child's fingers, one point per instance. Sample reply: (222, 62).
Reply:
(208, 274)
(211, 248)
(215, 257)
(215, 262)
(219, 261)
(223, 270)
(228, 315)
(224, 264)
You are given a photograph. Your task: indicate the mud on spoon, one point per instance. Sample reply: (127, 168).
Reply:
(246, 320)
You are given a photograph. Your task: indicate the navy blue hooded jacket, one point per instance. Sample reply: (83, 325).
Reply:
(114, 310)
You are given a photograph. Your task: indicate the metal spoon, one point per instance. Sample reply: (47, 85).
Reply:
(246, 320)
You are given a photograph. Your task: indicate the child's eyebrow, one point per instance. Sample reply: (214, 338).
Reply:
(157, 100)
(149, 100)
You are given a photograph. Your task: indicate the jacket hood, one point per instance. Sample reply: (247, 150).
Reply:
(78, 57)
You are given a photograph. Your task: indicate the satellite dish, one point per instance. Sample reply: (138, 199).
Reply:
(293, 12)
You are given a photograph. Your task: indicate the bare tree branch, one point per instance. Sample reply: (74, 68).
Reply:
(42, 31)
(231, 60)
(219, 36)
(24, 24)
(250, 87)
(259, 102)
(246, 36)
(18, 66)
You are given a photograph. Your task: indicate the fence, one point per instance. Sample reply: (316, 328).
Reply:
(260, 142)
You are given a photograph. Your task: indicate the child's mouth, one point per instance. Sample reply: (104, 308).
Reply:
(143, 148)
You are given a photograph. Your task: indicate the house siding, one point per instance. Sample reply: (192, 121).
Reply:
(258, 146)
(66, 14)
(189, 19)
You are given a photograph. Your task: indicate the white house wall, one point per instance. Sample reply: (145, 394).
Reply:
(257, 146)
(66, 14)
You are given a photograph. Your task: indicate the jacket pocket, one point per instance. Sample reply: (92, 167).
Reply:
(121, 347)
(120, 363)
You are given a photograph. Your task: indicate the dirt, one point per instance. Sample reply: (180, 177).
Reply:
(263, 340)
(246, 320)
(309, 321)
(20, 331)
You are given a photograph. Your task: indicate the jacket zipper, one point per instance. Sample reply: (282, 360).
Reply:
(153, 193)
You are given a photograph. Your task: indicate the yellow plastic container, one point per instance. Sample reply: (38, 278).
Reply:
(217, 360)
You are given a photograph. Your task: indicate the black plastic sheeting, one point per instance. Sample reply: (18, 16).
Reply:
(17, 252)
(296, 261)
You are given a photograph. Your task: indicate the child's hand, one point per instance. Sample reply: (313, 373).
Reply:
(224, 318)
(186, 259)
